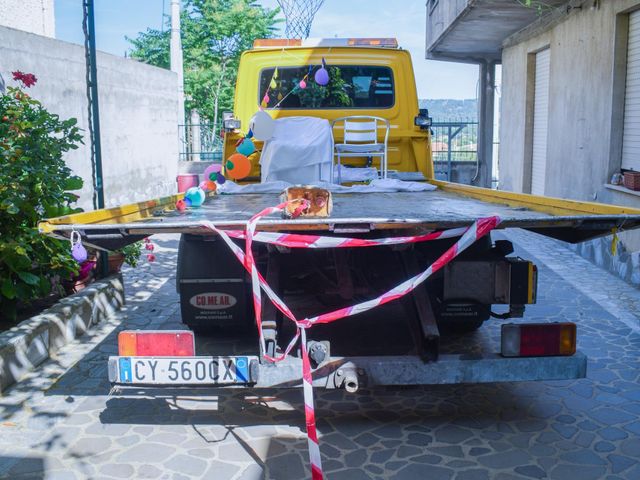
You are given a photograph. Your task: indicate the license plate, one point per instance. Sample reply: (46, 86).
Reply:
(184, 370)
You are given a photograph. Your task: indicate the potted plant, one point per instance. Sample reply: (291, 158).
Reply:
(84, 277)
(129, 255)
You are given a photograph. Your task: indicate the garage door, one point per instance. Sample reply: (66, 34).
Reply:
(540, 122)
(631, 137)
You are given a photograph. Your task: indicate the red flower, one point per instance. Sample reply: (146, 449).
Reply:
(27, 79)
(151, 257)
(149, 246)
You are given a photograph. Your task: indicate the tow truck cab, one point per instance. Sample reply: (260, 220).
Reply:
(367, 77)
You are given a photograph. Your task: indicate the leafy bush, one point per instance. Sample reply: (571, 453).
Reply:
(35, 183)
(132, 253)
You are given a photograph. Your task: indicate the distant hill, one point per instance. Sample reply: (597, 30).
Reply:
(451, 110)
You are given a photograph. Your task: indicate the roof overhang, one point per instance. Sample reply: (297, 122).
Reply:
(479, 30)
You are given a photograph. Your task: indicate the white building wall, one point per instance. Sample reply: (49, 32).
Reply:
(34, 16)
(138, 113)
(584, 93)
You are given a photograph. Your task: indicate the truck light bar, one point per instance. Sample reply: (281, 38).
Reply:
(277, 42)
(538, 339)
(373, 42)
(156, 343)
(325, 42)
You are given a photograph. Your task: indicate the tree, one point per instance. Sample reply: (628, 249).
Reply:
(214, 35)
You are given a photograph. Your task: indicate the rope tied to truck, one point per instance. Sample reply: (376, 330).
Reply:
(468, 236)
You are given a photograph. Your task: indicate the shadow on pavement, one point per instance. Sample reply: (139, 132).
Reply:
(29, 467)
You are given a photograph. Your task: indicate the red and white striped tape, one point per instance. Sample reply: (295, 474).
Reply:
(294, 240)
(468, 236)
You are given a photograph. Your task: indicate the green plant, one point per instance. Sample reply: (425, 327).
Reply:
(34, 183)
(132, 253)
(333, 95)
(539, 5)
(312, 96)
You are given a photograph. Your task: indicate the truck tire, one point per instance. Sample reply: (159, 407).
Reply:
(460, 317)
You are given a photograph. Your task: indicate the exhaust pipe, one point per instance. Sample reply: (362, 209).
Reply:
(350, 383)
(348, 378)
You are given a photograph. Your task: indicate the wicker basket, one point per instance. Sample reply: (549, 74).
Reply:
(632, 180)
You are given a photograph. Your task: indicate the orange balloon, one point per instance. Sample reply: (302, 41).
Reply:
(211, 186)
(238, 166)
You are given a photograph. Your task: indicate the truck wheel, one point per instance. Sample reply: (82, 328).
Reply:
(458, 317)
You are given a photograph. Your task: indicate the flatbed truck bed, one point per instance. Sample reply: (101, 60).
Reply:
(368, 215)
(450, 205)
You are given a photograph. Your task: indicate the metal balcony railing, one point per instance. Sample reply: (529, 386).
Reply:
(200, 142)
(452, 142)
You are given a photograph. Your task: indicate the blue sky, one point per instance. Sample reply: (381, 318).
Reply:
(116, 19)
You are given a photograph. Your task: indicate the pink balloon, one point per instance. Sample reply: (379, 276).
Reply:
(203, 185)
(214, 168)
(302, 84)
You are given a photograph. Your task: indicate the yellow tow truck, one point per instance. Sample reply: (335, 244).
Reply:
(421, 338)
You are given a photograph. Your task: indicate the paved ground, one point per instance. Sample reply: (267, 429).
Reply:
(63, 422)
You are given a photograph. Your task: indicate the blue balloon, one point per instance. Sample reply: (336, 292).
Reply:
(246, 148)
(196, 196)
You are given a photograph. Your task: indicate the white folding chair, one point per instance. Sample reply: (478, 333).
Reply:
(361, 140)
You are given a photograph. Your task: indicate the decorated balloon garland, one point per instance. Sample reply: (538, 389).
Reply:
(261, 127)
(321, 77)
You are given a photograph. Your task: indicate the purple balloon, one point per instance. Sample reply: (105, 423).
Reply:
(221, 179)
(78, 252)
(322, 76)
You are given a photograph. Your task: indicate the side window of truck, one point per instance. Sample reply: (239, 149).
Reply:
(349, 87)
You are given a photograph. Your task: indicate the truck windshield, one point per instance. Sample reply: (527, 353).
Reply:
(350, 86)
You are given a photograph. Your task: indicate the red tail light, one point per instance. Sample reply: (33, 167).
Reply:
(154, 343)
(538, 339)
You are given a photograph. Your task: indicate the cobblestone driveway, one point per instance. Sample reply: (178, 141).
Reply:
(62, 423)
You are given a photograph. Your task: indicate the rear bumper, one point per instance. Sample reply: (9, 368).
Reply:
(350, 372)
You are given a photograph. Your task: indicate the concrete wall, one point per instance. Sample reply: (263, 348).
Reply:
(440, 16)
(138, 113)
(35, 16)
(585, 106)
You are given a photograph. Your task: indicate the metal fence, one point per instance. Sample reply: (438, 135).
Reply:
(454, 145)
(453, 141)
(200, 142)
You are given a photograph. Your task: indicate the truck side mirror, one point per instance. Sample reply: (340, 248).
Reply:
(229, 122)
(423, 120)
